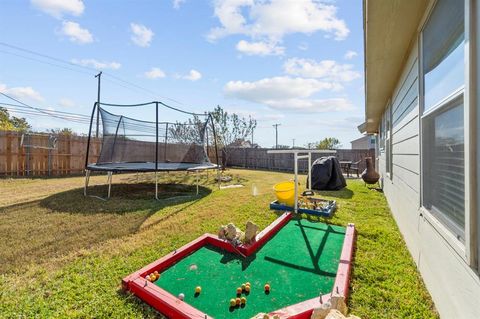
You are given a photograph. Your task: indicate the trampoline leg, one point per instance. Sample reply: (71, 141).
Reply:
(156, 186)
(197, 181)
(87, 179)
(109, 184)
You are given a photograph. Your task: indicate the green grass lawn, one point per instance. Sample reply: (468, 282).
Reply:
(63, 255)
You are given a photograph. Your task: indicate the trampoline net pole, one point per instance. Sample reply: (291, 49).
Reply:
(295, 157)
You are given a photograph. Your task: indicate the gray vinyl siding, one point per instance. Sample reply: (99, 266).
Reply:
(442, 269)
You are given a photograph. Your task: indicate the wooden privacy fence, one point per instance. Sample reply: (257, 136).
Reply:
(44, 154)
(53, 155)
(257, 158)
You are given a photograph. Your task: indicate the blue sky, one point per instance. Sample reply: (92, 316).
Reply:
(298, 63)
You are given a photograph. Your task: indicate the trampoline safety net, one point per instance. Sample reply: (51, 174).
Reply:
(129, 144)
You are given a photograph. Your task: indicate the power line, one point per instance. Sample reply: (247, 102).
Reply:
(91, 70)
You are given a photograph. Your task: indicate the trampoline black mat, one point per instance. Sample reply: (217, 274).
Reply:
(149, 167)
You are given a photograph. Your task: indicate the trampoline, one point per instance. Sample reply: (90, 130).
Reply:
(134, 145)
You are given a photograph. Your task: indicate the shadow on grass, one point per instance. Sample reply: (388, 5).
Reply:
(125, 198)
(68, 222)
(344, 193)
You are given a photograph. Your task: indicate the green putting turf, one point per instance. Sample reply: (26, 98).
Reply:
(300, 262)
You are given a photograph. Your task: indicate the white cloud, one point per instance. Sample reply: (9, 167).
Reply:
(142, 36)
(21, 92)
(259, 116)
(177, 3)
(350, 55)
(76, 33)
(155, 73)
(64, 102)
(275, 19)
(277, 88)
(58, 8)
(98, 65)
(312, 105)
(326, 69)
(193, 75)
(259, 48)
(287, 93)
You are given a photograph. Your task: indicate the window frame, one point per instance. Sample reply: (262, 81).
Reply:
(388, 140)
(469, 250)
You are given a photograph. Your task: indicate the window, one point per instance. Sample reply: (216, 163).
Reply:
(388, 140)
(442, 120)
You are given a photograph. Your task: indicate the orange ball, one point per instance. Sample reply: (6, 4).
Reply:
(247, 288)
(238, 301)
(239, 291)
(267, 287)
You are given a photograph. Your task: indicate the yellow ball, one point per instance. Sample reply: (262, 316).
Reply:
(247, 283)
(232, 302)
(247, 288)
(198, 289)
(243, 287)
(266, 316)
(243, 300)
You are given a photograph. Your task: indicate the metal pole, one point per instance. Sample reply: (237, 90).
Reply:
(295, 157)
(109, 183)
(87, 179)
(99, 75)
(165, 147)
(156, 150)
(276, 133)
(90, 134)
(309, 170)
(196, 173)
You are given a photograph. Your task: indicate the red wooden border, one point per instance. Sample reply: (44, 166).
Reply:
(172, 307)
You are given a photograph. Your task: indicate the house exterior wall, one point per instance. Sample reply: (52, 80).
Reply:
(364, 143)
(454, 286)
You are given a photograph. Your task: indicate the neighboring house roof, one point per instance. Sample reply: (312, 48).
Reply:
(365, 137)
(389, 29)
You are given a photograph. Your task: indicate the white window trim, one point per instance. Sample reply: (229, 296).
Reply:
(472, 225)
(470, 250)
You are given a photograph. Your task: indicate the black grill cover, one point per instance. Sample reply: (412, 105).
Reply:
(327, 174)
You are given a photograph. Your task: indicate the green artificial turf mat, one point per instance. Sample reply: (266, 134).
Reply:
(300, 262)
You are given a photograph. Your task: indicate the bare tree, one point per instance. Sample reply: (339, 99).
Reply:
(230, 128)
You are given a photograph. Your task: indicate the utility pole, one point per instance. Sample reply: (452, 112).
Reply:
(276, 133)
(293, 144)
(99, 76)
(252, 138)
